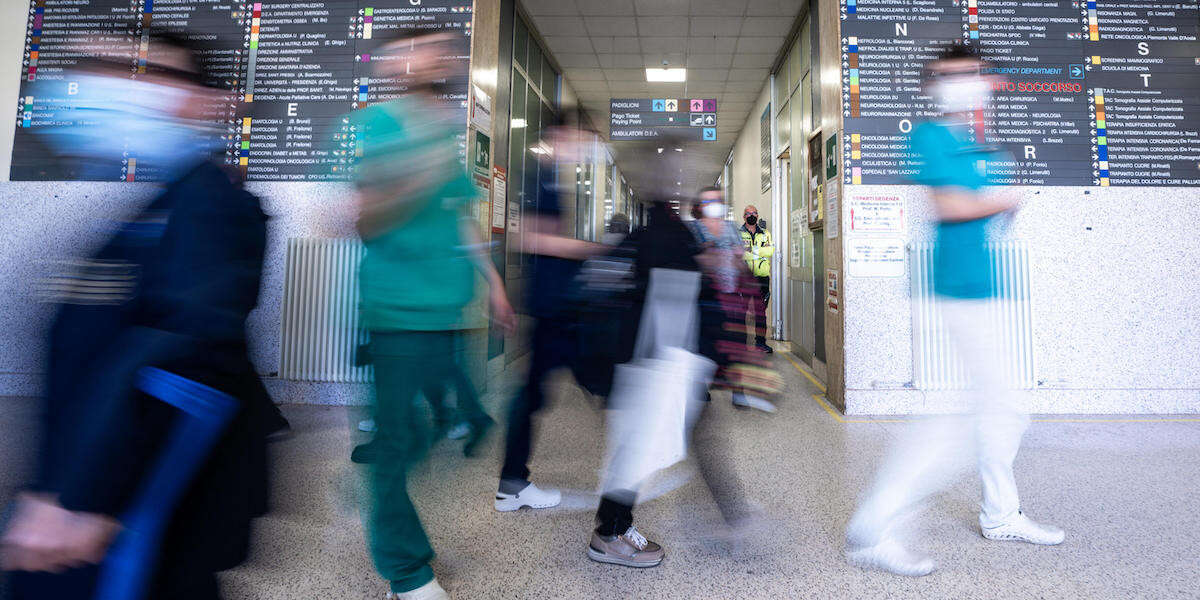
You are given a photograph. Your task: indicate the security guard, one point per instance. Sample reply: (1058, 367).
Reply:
(759, 249)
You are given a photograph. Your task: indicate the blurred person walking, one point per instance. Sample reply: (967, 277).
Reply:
(556, 261)
(730, 292)
(417, 278)
(758, 252)
(954, 169)
(170, 291)
(663, 371)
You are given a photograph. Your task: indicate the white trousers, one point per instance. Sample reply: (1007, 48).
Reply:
(932, 450)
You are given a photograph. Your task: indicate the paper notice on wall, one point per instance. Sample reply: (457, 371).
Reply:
(874, 257)
(833, 291)
(876, 214)
(796, 237)
(481, 109)
(832, 212)
(499, 198)
(514, 218)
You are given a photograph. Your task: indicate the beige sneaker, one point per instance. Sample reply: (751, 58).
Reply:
(630, 549)
(429, 591)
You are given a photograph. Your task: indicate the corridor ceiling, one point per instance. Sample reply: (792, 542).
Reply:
(727, 46)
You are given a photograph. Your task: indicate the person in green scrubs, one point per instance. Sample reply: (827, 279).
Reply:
(416, 281)
(956, 166)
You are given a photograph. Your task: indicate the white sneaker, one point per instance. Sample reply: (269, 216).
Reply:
(459, 431)
(888, 555)
(1024, 529)
(748, 401)
(429, 591)
(531, 496)
(367, 425)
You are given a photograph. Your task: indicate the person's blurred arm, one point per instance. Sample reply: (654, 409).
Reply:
(955, 204)
(501, 309)
(541, 237)
(383, 208)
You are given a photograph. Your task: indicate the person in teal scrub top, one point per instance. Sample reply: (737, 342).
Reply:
(416, 280)
(955, 167)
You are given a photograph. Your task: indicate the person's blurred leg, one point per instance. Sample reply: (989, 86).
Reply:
(615, 540)
(405, 363)
(549, 352)
(714, 457)
(1000, 422)
(760, 312)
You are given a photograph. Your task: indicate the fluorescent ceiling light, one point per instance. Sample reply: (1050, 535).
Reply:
(672, 75)
(517, 123)
(660, 150)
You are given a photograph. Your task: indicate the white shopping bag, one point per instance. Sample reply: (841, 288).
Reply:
(648, 406)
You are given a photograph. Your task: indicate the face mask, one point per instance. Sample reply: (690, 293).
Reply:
(961, 95)
(111, 120)
(713, 210)
(752, 219)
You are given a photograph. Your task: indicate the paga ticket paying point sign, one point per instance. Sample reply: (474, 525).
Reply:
(652, 118)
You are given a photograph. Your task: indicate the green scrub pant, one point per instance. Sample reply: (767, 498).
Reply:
(406, 362)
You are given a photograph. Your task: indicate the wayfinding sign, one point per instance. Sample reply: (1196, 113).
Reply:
(1089, 92)
(651, 118)
(293, 71)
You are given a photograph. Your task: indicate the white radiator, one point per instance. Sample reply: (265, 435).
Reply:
(935, 366)
(320, 311)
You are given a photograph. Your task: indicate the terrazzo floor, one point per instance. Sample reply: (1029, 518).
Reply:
(1126, 493)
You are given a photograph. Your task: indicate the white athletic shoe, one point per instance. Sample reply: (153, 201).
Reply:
(749, 401)
(459, 431)
(531, 496)
(367, 425)
(429, 591)
(888, 555)
(1024, 529)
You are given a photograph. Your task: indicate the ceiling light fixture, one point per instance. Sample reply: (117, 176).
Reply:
(679, 149)
(660, 150)
(517, 124)
(666, 75)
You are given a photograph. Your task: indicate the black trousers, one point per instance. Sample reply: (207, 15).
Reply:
(714, 458)
(552, 346)
(760, 310)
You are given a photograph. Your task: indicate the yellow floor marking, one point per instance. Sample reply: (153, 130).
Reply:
(837, 416)
(806, 374)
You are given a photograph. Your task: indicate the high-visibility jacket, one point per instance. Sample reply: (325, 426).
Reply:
(758, 250)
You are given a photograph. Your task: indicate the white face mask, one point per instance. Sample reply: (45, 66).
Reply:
(961, 95)
(713, 210)
(113, 119)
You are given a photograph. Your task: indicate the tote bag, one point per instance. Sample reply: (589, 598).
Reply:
(650, 397)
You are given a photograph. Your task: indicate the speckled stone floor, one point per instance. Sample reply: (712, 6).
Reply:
(1126, 492)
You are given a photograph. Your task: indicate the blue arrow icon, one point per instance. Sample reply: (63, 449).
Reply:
(710, 134)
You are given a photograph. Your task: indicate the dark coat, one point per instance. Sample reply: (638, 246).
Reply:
(194, 260)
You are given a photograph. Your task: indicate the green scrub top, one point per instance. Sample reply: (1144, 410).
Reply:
(418, 276)
(961, 262)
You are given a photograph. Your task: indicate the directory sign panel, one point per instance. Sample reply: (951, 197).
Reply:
(651, 118)
(1094, 92)
(294, 69)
